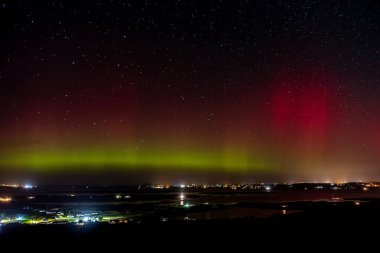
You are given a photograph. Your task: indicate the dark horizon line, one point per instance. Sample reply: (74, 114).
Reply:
(184, 185)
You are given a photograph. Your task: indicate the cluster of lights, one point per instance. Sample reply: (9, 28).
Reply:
(6, 199)
(78, 219)
(205, 186)
(161, 186)
(272, 186)
(10, 185)
(118, 196)
(25, 186)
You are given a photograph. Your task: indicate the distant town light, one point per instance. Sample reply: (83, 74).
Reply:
(10, 185)
(7, 199)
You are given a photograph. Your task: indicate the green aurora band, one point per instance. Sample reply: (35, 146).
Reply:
(131, 159)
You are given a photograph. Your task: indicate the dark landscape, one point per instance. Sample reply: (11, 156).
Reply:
(114, 211)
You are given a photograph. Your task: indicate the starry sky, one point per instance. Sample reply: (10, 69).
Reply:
(190, 91)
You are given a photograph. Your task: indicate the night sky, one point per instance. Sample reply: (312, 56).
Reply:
(189, 91)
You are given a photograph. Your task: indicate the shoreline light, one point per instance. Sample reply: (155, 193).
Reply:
(6, 199)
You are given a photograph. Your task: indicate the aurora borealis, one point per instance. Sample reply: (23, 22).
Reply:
(287, 89)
